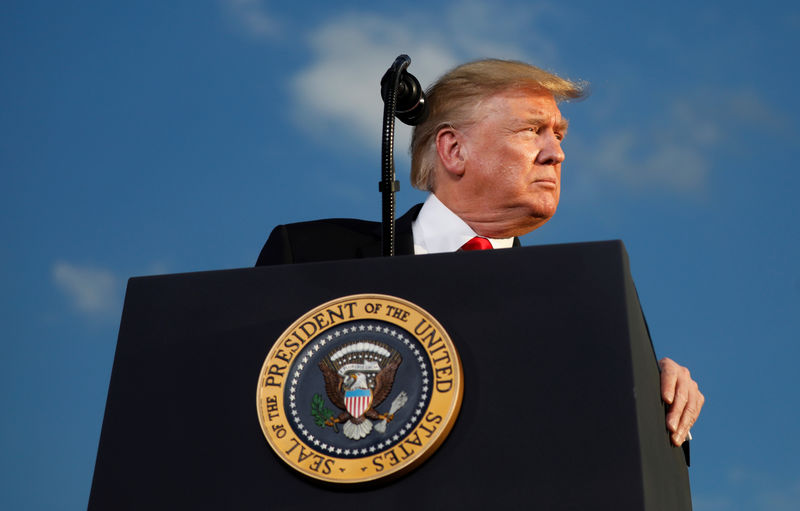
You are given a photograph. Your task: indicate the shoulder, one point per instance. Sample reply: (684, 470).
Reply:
(321, 240)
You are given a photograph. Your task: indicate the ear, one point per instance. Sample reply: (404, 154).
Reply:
(451, 150)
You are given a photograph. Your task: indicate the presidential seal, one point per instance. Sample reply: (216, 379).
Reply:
(359, 388)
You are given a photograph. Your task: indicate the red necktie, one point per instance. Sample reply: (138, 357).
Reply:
(477, 243)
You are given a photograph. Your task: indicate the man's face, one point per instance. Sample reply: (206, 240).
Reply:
(512, 163)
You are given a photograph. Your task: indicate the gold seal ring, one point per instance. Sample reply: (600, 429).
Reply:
(360, 388)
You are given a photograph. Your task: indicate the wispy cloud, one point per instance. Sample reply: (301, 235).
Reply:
(252, 17)
(92, 291)
(748, 489)
(336, 97)
(781, 499)
(157, 268)
(702, 502)
(339, 91)
(673, 149)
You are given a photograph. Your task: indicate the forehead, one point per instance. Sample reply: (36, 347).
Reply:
(516, 105)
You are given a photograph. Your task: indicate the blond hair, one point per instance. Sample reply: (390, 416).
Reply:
(452, 101)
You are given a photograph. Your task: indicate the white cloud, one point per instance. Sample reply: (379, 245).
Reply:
(93, 291)
(336, 97)
(339, 92)
(493, 29)
(252, 17)
(340, 89)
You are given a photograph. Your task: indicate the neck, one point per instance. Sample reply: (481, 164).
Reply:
(503, 223)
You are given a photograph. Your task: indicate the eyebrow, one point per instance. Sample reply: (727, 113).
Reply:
(561, 126)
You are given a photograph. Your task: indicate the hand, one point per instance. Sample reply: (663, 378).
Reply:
(681, 393)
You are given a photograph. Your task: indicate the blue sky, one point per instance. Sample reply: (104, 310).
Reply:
(162, 137)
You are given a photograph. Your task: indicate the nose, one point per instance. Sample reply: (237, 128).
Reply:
(550, 153)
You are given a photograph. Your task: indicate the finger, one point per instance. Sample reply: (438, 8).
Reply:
(690, 413)
(676, 409)
(669, 379)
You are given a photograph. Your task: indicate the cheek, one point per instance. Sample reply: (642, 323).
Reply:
(508, 186)
(501, 173)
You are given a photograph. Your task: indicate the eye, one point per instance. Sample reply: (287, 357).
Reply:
(532, 129)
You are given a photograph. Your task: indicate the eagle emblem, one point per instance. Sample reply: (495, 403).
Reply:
(358, 378)
(359, 388)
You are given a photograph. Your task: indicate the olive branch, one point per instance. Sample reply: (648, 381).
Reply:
(319, 411)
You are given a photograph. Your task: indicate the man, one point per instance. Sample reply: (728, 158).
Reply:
(490, 154)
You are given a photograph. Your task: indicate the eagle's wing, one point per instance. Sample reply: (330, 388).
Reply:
(384, 380)
(333, 385)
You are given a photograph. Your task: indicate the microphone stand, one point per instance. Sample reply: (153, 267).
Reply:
(413, 111)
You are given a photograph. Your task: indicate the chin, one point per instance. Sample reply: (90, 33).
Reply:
(530, 224)
(542, 212)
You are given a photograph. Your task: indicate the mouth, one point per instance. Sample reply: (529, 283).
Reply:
(546, 182)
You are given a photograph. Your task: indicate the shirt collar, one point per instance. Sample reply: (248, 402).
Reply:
(437, 229)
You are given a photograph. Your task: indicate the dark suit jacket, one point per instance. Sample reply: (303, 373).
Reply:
(336, 238)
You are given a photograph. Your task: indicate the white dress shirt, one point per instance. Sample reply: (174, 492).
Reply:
(437, 229)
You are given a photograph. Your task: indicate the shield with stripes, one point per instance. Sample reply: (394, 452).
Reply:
(357, 401)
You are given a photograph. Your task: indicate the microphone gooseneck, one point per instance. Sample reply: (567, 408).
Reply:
(403, 98)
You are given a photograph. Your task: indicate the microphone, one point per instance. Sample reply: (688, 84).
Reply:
(404, 99)
(410, 108)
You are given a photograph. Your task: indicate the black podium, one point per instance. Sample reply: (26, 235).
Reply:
(561, 406)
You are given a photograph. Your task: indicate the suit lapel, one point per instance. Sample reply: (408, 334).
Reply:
(404, 236)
